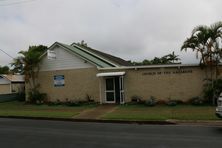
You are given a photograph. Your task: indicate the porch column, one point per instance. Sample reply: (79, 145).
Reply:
(100, 90)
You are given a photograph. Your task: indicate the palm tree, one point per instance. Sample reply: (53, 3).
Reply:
(215, 53)
(172, 57)
(206, 41)
(28, 64)
(197, 42)
(156, 61)
(17, 65)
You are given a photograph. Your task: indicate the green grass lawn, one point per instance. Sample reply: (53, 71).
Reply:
(21, 109)
(123, 112)
(162, 112)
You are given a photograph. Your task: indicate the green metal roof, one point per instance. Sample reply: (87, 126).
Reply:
(102, 55)
(103, 63)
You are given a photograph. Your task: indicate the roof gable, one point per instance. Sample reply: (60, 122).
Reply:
(85, 55)
(63, 59)
(95, 57)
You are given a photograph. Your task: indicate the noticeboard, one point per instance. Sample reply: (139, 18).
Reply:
(59, 80)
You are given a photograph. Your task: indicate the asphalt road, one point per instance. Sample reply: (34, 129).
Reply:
(21, 133)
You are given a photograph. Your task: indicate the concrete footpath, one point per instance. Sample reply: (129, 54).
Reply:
(96, 113)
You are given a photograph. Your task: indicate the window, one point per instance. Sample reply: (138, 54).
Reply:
(51, 54)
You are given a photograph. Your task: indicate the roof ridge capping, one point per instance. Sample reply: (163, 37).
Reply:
(117, 60)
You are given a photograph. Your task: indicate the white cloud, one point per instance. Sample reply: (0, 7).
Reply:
(132, 29)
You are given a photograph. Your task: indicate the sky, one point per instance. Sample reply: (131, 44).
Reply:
(130, 29)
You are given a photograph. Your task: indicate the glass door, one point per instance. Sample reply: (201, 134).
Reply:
(122, 101)
(110, 90)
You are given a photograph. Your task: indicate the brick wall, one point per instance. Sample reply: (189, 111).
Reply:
(78, 83)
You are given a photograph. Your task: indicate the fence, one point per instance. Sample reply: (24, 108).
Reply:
(8, 97)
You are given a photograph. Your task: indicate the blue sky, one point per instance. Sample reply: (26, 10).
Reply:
(131, 29)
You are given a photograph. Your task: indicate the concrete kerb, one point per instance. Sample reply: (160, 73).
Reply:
(197, 122)
(150, 122)
(92, 120)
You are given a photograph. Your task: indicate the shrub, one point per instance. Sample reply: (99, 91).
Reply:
(89, 98)
(180, 102)
(212, 90)
(151, 101)
(196, 101)
(136, 100)
(36, 97)
(21, 96)
(161, 102)
(73, 103)
(208, 94)
(54, 103)
(172, 103)
(50, 103)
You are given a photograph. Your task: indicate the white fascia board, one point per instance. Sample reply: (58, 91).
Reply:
(150, 66)
(106, 74)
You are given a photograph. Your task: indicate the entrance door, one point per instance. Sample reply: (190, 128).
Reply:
(121, 89)
(110, 90)
(117, 90)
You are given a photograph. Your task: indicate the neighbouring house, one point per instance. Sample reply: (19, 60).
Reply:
(73, 72)
(11, 84)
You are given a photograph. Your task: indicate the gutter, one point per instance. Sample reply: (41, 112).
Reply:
(150, 66)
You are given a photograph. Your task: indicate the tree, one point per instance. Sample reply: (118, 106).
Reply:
(197, 42)
(28, 64)
(146, 62)
(172, 58)
(157, 61)
(18, 65)
(4, 70)
(206, 42)
(82, 43)
(167, 59)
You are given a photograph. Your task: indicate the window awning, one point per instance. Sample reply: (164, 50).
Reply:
(107, 74)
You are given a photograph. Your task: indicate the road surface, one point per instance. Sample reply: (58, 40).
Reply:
(22, 133)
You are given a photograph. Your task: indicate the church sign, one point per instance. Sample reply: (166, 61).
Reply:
(59, 81)
(181, 71)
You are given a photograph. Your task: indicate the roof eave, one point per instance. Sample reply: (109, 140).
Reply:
(151, 66)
